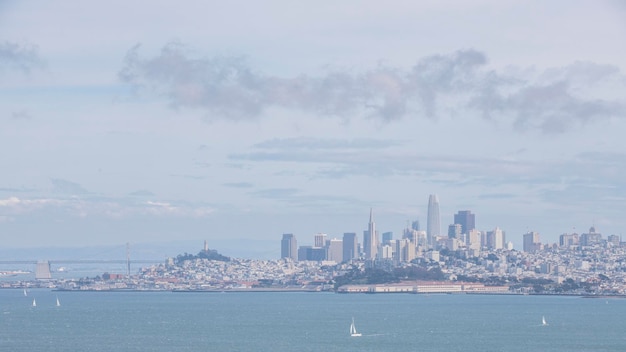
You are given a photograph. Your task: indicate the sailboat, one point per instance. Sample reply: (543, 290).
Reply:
(58, 303)
(34, 303)
(353, 332)
(543, 321)
(25, 293)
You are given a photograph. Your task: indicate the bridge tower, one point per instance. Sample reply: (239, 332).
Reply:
(42, 272)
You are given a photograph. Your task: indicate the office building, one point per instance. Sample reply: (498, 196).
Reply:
(320, 240)
(567, 240)
(386, 250)
(387, 237)
(496, 239)
(455, 231)
(433, 226)
(466, 219)
(531, 242)
(289, 247)
(474, 240)
(405, 250)
(590, 238)
(311, 253)
(614, 240)
(411, 235)
(334, 250)
(350, 246)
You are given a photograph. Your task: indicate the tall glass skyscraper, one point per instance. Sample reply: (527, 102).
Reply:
(433, 226)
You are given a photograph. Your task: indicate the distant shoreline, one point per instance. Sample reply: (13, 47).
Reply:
(279, 290)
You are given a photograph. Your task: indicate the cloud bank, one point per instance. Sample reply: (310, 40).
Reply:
(551, 101)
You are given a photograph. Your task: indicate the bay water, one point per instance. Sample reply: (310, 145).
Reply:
(298, 321)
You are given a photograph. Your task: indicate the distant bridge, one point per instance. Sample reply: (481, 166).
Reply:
(42, 268)
(85, 261)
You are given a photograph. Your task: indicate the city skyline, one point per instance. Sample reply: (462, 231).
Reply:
(169, 122)
(462, 233)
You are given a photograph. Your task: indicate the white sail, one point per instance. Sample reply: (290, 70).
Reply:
(58, 303)
(543, 321)
(25, 293)
(34, 303)
(353, 331)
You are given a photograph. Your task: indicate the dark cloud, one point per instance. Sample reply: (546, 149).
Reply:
(552, 101)
(19, 56)
(20, 115)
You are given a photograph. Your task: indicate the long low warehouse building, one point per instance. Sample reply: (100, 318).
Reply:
(424, 287)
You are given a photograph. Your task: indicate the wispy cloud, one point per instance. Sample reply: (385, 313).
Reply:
(326, 143)
(23, 57)
(275, 193)
(299, 198)
(102, 207)
(141, 193)
(551, 101)
(543, 177)
(238, 184)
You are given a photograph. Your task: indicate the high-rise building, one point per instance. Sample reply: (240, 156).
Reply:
(454, 231)
(466, 219)
(370, 239)
(289, 247)
(415, 225)
(613, 240)
(590, 238)
(386, 250)
(405, 250)
(531, 242)
(350, 246)
(433, 226)
(311, 253)
(567, 240)
(320, 240)
(474, 240)
(387, 237)
(496, 239)
(334, 251)
(411, 235)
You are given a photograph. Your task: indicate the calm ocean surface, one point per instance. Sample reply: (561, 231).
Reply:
(165, 321)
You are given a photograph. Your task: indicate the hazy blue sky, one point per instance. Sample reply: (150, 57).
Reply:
(146, 121)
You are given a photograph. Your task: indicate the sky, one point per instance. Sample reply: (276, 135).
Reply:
(205, 120)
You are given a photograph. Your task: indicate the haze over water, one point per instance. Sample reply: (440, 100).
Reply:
(165, 321)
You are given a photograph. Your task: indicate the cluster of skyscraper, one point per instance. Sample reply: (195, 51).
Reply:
(571, 240)
(462, 234)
